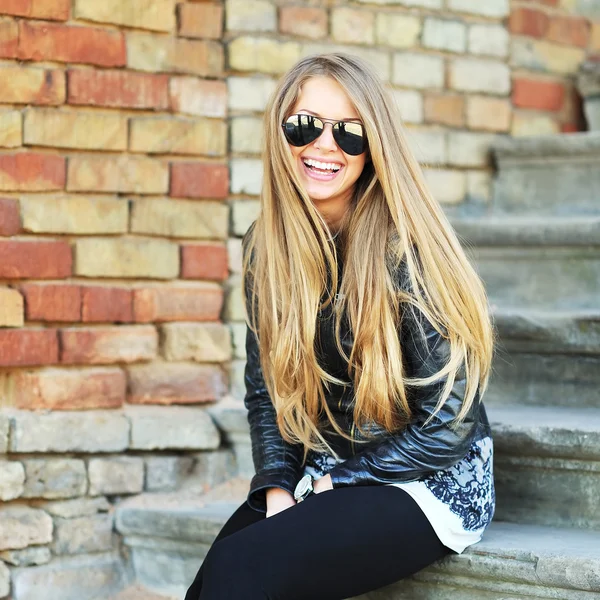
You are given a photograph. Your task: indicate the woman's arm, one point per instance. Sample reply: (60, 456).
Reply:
(419, 448)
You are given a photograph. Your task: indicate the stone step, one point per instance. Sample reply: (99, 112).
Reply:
(138, 592)
(550, 175)
(547, 465)
(513, 561)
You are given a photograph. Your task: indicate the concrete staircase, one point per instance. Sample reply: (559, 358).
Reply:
(538, 250)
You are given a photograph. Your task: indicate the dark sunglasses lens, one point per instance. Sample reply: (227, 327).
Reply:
(350, 137)
(301, 130)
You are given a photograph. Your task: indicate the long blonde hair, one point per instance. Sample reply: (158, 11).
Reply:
(290, 263)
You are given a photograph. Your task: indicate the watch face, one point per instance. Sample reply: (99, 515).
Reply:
(304, 486)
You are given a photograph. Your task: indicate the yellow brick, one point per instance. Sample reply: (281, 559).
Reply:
(74, 214)
(491, 114)
(530, 124)
(207, 137)
(353, 26)
(156, 53)
(11, 128)
(545, 56)
(11, 308)
(180, 218)
(158, 15)
(200, 342)
(261, 54)
(125, 174)
(110, 257)
(246, 134)
(397, 31)
(85, 130)
(595, 40)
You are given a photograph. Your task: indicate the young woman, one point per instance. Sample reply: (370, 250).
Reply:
(368, 350)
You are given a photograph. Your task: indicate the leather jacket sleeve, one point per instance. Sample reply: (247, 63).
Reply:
(419, 448)
(277, 462)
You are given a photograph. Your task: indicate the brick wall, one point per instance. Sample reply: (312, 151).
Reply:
(130, 169)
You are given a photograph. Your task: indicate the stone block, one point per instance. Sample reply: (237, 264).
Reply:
(201, 97)
(246, 176)
(183, 301)
(441, 34)
(215, 466)
(35, 555)
(75, 129)
(246, 135)
(200, 342)
(235, 252)
(70, 214)
(4, 580)
(418, 70)
(71, 578)
(479, 186)
(488, 40)
(22, 526)
(262, 54)
(234, 300)
(172, 427)
(540, 55)
(135, 258)
(156, 54)
(303, 21)
(54, 478)
(175, 383)
(11, 129)
(157, 15)
(152, 135)
(180, 218)
(89, 431)
(490, 8)
(447, 187)
(83, 534)
(77, 507)
(11, 308)
(397, 30)
(116, 475)
(429, 145)
(466, 149)
(527, 124)
(249, 93)
(410, 105)
(354, 26)
(259, 15)
(4, 429)
(237, 387)
(12, 478)
(238, 336)
(165, 473)
(243, 214)
(480, 75)
(433, 4)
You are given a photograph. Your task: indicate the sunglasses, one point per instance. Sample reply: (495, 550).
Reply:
(301, 130)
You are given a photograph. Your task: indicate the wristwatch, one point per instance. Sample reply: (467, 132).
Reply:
(304, 488)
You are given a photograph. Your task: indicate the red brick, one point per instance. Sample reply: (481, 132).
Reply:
(32, 172)
(52, 302)
(28, 347)
(542, 95)
(106, 305)
(203, 20)
(54, 10)
(204, 261)
(69, 389)
(546, 2)
(24, 85)
(526, 21)
(192, 302)
(71, 44)
(303, 21)
(199, 180)
(9, 38)
(105, 345)
(572, 31)
(35, 260)
(569, 128)
(174, 383)
(121, 89)
(10, 218)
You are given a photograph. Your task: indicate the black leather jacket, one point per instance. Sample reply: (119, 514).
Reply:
(405, 455)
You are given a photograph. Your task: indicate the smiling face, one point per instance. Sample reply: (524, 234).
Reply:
(330, 191)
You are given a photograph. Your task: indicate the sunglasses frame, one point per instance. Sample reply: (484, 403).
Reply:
(333, 125)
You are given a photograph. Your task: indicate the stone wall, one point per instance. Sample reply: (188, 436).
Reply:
(130, 169)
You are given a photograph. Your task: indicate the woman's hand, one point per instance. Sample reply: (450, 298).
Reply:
(323, 484)
(278, 500)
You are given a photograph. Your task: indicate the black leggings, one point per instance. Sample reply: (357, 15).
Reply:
(335, 545)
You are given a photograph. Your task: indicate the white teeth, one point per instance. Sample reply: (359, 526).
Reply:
(322, 165)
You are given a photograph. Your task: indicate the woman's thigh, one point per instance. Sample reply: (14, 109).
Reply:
(335, 545)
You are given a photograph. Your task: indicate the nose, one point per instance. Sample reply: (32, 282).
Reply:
(326, 140)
